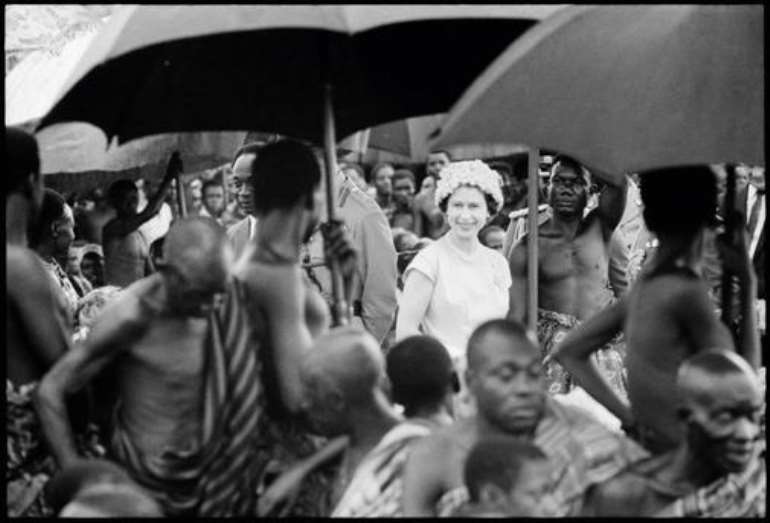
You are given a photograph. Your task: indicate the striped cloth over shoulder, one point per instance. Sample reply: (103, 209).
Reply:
(220, 479)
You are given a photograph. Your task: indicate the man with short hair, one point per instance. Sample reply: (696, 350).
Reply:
(426, 397)
(213, 200)
(717, 470)
(505, 376)
(405, 214)
(573, 268)
(342, 376)
(241, 232)
(433, 219)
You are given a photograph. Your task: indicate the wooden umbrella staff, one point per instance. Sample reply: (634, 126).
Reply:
(532, 235)
(340, 307)
(727, 277)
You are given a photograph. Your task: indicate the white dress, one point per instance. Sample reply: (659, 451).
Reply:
(467, 291)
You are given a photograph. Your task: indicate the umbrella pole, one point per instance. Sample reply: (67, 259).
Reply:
(727, 277)
(532, 254)
(180, 196)
(340, 309)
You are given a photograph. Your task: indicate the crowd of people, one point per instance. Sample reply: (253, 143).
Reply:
(162, 363)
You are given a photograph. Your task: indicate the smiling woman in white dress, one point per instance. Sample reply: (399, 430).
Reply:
(456, 283)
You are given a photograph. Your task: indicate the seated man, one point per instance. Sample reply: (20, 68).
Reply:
(343, 376)
(718, 469)
(505, 375)
(505, 478)
(427, 397)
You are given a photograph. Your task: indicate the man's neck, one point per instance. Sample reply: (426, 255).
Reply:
(281, 232)
(439, 416)
(566, 224)
(485, 429)
(383, 199)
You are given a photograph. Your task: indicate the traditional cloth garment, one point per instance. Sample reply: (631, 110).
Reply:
(741, 495)
(90, 307)
(552, 327)
(63, 288)
(581, 451)
(377, 484)
(220, 478)
(29, 465)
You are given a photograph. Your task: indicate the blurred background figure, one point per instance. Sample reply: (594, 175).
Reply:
(196, 197)
(95, 219)
(492, 236)
(405, 214)
(92, 264)
(213, 200)
(356, 174)
(81, 284)
(382, 179)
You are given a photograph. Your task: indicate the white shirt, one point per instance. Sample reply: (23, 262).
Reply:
(157, 226)
(467, 291)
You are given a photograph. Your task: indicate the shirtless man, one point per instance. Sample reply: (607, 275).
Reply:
(506, 378)
(573, 266)
(37, 331)
(126, 250)
(719, 409)
(158, 430)
(667, 316)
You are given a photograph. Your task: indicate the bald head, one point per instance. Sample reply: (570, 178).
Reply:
(703, 376)
(197, 247)
(348, 359)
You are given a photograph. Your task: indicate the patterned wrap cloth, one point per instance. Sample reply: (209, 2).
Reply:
(552, 327)
(29, 464)
(583, 452)
(377, 485)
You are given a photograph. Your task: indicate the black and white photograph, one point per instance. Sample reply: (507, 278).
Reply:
(385, 261)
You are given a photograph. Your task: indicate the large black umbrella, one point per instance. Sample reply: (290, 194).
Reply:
(156, 69)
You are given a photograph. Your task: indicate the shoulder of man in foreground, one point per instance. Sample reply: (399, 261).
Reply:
(624, 494)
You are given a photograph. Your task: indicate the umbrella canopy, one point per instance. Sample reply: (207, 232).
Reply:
(156, 69)
(81, 147)
(627, 88)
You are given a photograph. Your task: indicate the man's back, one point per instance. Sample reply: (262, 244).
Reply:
(659, 335)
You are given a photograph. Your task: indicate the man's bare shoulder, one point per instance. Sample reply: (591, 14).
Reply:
(23, 270)
(444, 442)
